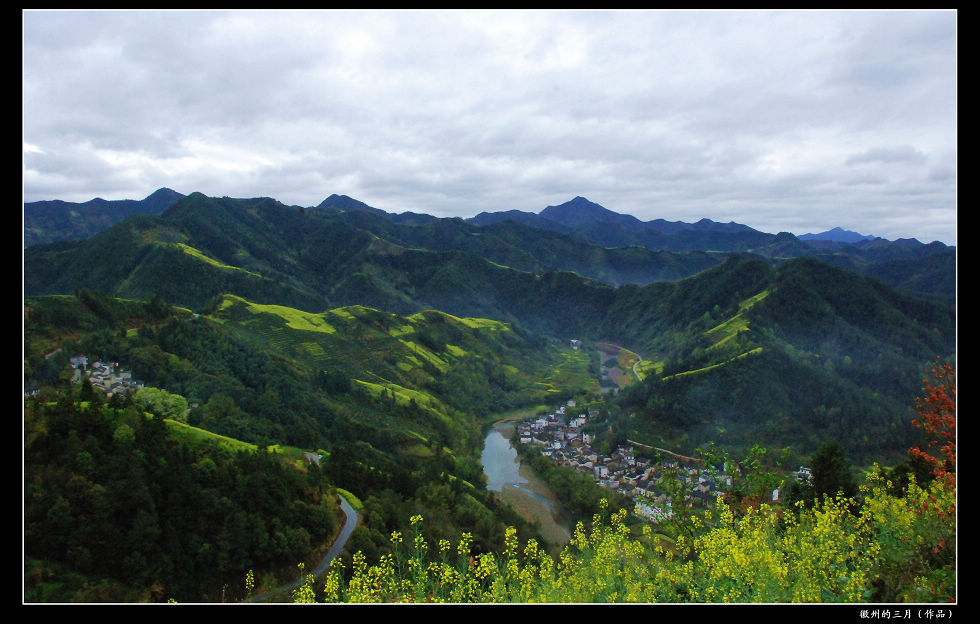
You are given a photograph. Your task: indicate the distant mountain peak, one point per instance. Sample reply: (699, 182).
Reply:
(164, 192)
(347, 204)
(839, 235)
(579, 211)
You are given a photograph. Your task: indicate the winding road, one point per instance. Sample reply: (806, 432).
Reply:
(349, 525)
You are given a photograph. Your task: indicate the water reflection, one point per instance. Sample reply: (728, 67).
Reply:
(500, 462)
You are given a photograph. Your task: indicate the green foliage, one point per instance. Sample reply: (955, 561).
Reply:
(110, 494)
(161, 403)
(248, 383)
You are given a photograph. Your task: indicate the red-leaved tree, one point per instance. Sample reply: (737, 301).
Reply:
(936, 411)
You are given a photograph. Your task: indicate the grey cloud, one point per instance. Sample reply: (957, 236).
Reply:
(747, 116)
(901, 154)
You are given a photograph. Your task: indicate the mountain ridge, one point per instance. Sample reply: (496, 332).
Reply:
(565, 217)
(56, 220)
(597, 251)
(839, 235)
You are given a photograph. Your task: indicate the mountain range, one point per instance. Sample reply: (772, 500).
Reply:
(56, 220)
(578, 235)
(820, 333)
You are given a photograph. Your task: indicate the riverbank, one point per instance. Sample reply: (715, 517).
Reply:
(527, 493)
(536, 503)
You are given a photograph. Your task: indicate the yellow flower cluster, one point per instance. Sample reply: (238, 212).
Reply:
(835, 551)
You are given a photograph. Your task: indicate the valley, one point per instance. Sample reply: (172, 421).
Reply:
(398, 349)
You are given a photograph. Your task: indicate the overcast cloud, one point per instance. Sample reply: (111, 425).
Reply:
(783, 121)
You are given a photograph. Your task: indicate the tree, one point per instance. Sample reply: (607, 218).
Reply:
(830, 475)
(161, 403)
(759, 476)
(831, 471)
(936, 411)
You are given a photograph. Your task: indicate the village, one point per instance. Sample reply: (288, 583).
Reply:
(562, 439)
(107, 377)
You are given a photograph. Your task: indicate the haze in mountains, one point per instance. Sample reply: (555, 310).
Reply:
(826, 341)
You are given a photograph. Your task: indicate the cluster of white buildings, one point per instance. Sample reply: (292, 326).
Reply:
(563, 439)
(106, 376)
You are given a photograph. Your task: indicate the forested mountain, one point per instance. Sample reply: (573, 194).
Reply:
(579, 236)
(246, 234)
(380, 343)
(390, 402)
(854, 342)
(55, 220)
(895, 262)
(782, 355)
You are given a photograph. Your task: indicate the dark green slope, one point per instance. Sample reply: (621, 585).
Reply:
(559, 303)
(928, 272)
(536, 250)
(141, 258)
(203, 247)
(55, 220)
(270, 253)
(784, 354)
(392, 402)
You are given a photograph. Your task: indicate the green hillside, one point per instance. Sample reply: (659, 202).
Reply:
(852, 342)
(121, 506)
(316, 259)
(784, 356)
(394, 404)
(384, 347)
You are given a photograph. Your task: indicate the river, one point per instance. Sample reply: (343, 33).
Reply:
(520, 487)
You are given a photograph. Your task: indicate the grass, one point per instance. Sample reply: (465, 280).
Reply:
(404, 396)
(191, 251)
(646, 367)
(724, 337)
(429, 356)
(295, 319)
(730, 328)
(195, 434)
(718, 365)
(474, 323)
(570, 374)
(354, 501)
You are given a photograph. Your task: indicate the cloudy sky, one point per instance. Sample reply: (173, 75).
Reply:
(783, 121)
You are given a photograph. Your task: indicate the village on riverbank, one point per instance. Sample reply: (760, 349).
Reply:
(562, 438)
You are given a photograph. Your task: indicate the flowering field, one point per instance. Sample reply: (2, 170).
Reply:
(895, 545)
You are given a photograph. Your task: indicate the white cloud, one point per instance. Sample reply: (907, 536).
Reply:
(756, 117)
